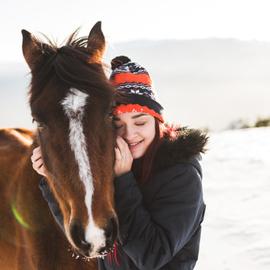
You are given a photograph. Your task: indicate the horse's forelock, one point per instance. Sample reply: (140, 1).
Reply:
(71, 67)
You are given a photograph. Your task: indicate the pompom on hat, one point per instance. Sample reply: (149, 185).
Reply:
(134, 82)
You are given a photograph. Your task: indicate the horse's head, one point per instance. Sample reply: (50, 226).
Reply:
(70, 99)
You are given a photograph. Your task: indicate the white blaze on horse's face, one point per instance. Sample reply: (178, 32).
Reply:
(74, 106)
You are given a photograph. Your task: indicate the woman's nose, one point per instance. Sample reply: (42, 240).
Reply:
(129, 133)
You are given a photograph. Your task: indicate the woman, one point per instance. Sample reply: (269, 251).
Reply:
(158, 190)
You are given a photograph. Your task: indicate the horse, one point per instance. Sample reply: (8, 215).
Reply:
(70, 100)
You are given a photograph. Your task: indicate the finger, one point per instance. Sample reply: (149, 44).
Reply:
(119, 142)
(40, 170)
(36, 150)
(120, 147)
(123, 146)
(43, 170)
(35, 167)
(117, 154)
(122, 141)
(39, 163)
(34, 158)
(39, 150)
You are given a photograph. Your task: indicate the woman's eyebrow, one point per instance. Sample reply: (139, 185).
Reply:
(133, 117)
(139, 115)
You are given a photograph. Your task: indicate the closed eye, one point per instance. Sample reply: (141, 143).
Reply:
(117, 127)
(137, 124)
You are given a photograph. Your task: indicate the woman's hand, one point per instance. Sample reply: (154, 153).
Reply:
(123, 157)
(37, 162)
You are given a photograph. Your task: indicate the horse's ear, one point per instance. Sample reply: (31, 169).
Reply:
(31, 48)
(96, 41)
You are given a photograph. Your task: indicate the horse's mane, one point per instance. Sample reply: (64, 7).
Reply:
(70, 66)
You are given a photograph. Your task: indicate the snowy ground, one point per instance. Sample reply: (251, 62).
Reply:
(236, 229)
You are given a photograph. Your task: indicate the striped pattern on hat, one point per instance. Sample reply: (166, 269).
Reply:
(133, 80)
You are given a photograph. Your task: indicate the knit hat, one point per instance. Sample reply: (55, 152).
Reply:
(134, 82)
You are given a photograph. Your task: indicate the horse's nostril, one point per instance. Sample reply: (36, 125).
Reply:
(102, 250)
(77, 235)
(85, 245)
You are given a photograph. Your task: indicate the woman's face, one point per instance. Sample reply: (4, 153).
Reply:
(137, 129)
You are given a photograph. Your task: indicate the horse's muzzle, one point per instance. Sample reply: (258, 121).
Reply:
(84, 248)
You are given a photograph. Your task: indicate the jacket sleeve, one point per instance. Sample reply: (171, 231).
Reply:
(151, 237)
(52, 203)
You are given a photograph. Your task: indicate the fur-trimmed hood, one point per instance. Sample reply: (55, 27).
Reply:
(179, 145)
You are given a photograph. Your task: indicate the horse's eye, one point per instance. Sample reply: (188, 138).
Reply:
(40, 124)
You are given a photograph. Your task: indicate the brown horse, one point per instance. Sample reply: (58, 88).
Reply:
(70, 100)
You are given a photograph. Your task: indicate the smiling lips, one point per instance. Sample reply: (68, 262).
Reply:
(133, 145)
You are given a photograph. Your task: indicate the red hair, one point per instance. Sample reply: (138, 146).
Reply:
(142, 167)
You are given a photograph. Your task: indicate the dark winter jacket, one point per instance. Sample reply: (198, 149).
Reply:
(160, 223)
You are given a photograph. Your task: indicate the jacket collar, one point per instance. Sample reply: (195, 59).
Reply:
(180, 145)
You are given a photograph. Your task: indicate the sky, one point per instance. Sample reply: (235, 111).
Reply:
(125, 20)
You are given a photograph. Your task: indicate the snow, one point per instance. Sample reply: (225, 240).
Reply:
(236, 176)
